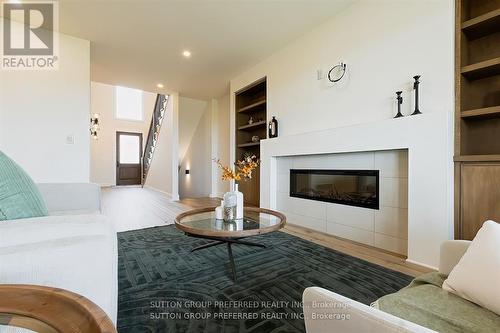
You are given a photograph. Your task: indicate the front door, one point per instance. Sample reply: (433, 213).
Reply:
(128, 158)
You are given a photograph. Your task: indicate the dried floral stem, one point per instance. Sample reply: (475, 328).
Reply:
(242, 171)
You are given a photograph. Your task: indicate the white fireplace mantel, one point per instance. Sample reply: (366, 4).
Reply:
(428, 138)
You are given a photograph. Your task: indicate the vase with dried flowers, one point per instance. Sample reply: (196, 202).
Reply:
(242, 171)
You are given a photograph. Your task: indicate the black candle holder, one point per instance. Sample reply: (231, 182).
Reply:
(415, 87)
(400, 101)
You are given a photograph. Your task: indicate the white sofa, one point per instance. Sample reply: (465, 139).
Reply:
(75, 248)
(348, 316)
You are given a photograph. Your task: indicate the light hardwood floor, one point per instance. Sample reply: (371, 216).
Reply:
(135, 208)
(377, 256)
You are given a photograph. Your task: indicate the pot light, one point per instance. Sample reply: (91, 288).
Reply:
(186, 53)
(159, 85)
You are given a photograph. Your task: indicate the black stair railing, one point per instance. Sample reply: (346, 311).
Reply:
(153, 134)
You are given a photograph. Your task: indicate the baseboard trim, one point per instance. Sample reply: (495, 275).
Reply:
(168, 195)
(416, 263)
(107, 185)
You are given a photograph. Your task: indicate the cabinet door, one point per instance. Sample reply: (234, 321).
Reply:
(251, 189)
(480, 196)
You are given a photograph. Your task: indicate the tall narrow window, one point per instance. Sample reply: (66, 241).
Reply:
(128, 104)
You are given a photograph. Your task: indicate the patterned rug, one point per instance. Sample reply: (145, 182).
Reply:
(163, 287)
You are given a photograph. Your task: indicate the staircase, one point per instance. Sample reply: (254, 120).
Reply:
(153, 134)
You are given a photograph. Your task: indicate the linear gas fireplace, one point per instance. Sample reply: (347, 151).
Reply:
(348, 187)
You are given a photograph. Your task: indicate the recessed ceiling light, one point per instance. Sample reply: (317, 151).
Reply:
(159, 85)
(186, 53)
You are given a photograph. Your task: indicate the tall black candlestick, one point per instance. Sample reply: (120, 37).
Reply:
(415, 86)
(400, 101)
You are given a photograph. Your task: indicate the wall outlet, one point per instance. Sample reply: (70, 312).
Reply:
(70, 139)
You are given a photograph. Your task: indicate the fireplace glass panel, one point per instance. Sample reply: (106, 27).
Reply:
(349, 187)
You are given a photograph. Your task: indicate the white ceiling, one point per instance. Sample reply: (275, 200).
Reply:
(138, 43)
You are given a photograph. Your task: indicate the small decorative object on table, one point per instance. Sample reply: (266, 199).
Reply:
(273, 128)
(233, 200)
(255, 138)
(415, 87)
(400, 101)
(219, 211)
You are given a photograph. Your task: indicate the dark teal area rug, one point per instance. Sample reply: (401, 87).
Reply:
(163, 287)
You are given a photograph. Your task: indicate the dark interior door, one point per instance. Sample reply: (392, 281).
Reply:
(128, 158)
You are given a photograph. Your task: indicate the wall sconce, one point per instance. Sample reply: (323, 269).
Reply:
(94, 125)
(187, 171)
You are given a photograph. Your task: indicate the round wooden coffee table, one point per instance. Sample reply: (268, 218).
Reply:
(50, 310)
(201, 223)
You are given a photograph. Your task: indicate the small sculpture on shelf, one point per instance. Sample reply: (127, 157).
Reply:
(250, 121)
(273, 128)
(255, 138)
(399, 99)
(415, 87)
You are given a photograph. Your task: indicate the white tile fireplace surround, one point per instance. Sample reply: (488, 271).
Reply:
(427, 139)
(386, 227)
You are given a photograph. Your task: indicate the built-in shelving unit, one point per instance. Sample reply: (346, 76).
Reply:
(251, 120)
(477, 115)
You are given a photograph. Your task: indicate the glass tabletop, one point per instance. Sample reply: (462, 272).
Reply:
(255, 221)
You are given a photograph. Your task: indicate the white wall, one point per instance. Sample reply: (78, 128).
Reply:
(221, 135)
(190, 112)
(198, 160)
(203, 136)
(40, 109)
(103, 150)
(386, 227)
(162, 174)
(384, 44)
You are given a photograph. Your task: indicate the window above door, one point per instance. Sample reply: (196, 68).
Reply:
(128, 104)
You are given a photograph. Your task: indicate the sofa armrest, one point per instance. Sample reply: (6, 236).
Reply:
(68, 197)
(451, 253)
(326, 311)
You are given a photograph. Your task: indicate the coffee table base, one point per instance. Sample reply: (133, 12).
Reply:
(229, 242)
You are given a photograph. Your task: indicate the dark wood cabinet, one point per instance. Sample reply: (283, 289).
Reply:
(477, 115)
